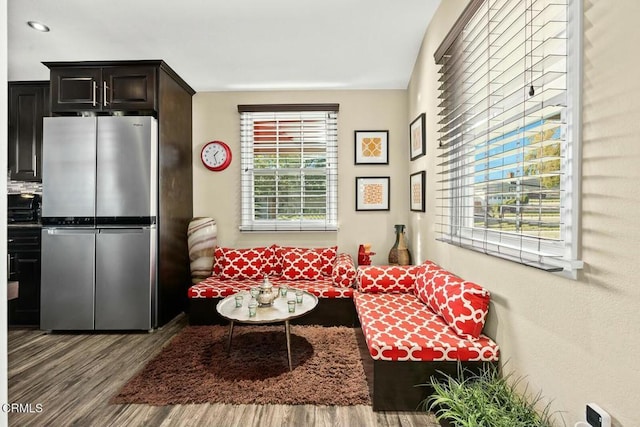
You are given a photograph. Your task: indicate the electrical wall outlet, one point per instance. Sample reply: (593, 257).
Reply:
(597, 417)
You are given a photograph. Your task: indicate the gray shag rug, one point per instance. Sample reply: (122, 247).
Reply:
(196, 368)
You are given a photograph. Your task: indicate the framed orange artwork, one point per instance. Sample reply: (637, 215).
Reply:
(371, 147)
(416, 188)
(417, 139)
(372, 193)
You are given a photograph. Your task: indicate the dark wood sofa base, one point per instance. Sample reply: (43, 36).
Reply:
(329, 312)
(395, 384)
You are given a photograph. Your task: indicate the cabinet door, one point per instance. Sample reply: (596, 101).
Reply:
(129, 88)
(75, 89)
(25, 310)
(28, 105)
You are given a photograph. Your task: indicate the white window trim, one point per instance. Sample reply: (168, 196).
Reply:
(248, 221)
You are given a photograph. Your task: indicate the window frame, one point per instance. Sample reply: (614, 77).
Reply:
(565, 253)
(249, 222)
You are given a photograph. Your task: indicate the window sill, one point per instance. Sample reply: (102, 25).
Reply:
(283, 229)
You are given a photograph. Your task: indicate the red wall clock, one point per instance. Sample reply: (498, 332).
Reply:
(216, 155)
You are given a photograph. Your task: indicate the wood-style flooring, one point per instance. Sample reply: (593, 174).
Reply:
(73, 376)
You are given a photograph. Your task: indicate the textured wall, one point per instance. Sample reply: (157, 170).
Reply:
(217, 194)
(576, 340)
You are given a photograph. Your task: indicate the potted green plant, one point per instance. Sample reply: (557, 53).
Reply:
(484, 399)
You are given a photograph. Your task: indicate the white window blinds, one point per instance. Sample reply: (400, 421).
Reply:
(507, 130)
(289, 167)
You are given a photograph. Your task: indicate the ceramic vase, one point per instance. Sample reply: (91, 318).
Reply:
(202, 236)
(399, 253)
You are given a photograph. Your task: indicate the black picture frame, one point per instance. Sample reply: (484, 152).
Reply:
(373, 193)
(417, 182)
(417, 137)
(373, 155)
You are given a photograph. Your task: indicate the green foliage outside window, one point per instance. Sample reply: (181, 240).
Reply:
(289, 186)
(544, 167)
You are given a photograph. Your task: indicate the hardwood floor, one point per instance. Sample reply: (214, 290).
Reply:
(73, 376)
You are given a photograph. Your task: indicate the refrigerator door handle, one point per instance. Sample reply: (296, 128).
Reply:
(95, 89)
(63, 231)
(136, 230)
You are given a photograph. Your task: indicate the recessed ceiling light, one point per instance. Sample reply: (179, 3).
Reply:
(38, 26)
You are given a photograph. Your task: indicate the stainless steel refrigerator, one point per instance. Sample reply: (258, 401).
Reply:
(99, 214)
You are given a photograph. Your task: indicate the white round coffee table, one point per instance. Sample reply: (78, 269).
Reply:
(276, 313)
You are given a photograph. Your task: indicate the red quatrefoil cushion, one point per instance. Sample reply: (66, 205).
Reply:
(429, 277)
(327, 257)
(298, 263)
(386, 278)
(239, 263)
(462, 304)
(272, 261)
(399, 327)
(344, 271)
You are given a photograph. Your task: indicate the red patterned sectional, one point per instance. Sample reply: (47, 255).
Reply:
(422, 313)
(321, 271)
(420, 322)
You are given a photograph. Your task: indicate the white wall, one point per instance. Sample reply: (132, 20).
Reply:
(216, 194)
(576, 341)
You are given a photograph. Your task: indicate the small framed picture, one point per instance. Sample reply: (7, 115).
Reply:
(417, 139)
(416, 187)
(372, 193)
(371, 147)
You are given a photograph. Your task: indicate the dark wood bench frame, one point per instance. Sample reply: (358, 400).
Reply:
(329, 312)
(404, 386)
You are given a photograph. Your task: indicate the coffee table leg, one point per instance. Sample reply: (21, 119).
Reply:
(230, 335)
(287, 330)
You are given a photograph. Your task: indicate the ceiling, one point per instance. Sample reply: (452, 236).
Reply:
(218, 45)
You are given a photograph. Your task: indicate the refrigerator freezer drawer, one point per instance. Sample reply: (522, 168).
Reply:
(67, 284)
(125, 278)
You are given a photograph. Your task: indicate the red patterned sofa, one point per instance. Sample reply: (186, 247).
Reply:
(418, 321)
(321, 271)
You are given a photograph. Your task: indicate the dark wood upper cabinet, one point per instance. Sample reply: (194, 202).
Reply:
(28, 105)
(100, 87)
(129, 88)
(75, 89)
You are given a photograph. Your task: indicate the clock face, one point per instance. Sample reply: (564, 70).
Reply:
(216, 155)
